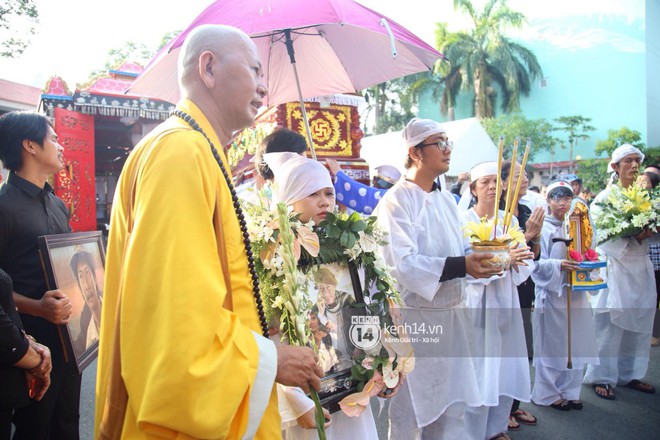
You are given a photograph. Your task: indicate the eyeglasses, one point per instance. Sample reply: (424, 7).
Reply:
(442, 145)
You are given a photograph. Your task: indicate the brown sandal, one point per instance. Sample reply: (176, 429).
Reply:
(524, 417)
(513, 424)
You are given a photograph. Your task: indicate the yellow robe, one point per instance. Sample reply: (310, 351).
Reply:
(188, 363)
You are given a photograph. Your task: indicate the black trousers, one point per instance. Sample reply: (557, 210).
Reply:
(57, 415)
(5, 423)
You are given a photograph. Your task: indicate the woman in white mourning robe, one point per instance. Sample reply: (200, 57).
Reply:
(555, 384)
(500, 350)
(306, 185)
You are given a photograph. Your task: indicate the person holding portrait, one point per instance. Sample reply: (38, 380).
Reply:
(29, 148)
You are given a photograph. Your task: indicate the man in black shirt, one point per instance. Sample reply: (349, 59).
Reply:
(28, 209)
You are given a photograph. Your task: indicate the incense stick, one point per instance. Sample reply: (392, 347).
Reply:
(508, 215)
(498, 186)
(510, 184)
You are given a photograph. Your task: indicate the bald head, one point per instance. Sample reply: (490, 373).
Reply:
(219, 39)
(221, 72)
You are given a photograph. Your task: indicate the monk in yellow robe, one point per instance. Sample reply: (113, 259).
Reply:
(179, 312)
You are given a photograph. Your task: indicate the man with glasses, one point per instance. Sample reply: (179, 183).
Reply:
(428, 252)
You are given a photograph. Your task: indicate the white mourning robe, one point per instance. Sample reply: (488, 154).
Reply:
(630, 297)
(425, 229)
(500, 355)
(550, 318)
(624, 311)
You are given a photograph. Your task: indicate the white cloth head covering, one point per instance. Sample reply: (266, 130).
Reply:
(559, 184)
(621, 152)
(296, 177)
(388, 173)
(483, 169)
(419, 129)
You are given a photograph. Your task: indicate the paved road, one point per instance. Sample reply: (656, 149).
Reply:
(633, 415)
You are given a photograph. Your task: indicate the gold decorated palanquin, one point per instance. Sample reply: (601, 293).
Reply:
(334, 126)
(580, 229)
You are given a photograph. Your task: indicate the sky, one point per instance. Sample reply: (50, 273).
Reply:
(74, 36)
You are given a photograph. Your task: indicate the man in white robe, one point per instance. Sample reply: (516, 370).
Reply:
(427, 251)
(624, 311)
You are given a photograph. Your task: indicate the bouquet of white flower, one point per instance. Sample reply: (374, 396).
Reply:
(626, 212)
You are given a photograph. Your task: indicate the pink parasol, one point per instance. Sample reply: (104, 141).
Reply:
(309, 48)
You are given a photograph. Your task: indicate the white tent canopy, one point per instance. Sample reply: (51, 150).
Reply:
(471, 146)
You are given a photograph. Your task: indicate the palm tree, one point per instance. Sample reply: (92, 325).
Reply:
(483, 58)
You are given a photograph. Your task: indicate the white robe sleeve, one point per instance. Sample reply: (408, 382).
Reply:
(293, 403)
(416, 272)
(547, 275)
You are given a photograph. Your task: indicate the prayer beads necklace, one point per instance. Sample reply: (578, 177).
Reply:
(239, 213)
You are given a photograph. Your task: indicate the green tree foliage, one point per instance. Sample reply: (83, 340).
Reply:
(131, 51)
(513, 125)
(17, 18)
(484, 61)
(576, 128)
(615, 138)
(593, 173)
(392, 103)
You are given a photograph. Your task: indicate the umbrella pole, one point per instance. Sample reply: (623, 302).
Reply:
(289, 47)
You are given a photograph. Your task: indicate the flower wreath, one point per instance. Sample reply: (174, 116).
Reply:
(340, 238)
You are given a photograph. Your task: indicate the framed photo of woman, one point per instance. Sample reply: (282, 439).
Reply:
(74, 263)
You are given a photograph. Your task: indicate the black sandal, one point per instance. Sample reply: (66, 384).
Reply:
(610, 391)
(576, 404)
(564, 405)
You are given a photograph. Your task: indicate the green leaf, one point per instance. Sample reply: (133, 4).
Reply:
(358, 226)
(343, 225)
(333, 231)
(343, 239)
(351, 240)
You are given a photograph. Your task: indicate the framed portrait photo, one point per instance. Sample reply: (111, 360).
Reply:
(74, 263)
(336, 294)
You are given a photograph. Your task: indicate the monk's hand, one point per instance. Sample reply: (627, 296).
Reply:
(298, 367)
(477, 266)
(55, 307)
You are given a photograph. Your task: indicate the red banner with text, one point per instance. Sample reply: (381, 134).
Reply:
(76, 182)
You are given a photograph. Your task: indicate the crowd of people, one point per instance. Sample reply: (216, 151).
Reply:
(185, 348)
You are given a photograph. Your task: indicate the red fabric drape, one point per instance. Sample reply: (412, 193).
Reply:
(76, 183)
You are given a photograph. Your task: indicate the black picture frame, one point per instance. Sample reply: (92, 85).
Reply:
(335, 350)
(74, 263)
